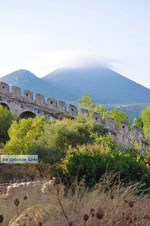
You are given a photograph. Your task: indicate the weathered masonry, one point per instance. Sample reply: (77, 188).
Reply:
(26, 106)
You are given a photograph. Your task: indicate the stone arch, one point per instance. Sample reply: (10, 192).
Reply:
(5, 105)
(27, 114)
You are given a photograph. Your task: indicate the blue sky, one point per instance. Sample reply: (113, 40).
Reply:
(41, 35)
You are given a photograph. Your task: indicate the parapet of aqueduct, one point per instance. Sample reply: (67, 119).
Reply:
(26, 106)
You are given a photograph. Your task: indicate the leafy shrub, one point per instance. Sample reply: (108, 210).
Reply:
(6, 119)
(143, 121)
(45, 154)
(119, 116)
(60, 135)
(90, 162)
(23, 135)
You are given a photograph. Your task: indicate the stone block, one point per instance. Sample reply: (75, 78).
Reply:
(110, 123)
(28, 95)
(73, 110)
(4, 88)
(97, 117)
(62, 106)
(124, 127)
(40, 99)
(51, 103)
(84, 111)
(16, 92)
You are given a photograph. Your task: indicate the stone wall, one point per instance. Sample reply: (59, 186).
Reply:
(27, 105)
(39, 106)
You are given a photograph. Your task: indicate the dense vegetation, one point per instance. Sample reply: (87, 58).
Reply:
(6, 119)
(76, 148)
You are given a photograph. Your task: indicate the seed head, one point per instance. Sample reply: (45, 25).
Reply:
(86, 217)
(100, 214)
(112, 196)
(131, 203)
(16, 202)
(1, 218)
(92, 211)
(40, 223)
(57, 180)
(25, 197)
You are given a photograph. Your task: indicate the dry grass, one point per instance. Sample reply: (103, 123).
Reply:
(119, 206)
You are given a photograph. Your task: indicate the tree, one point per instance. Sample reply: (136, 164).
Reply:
(100, 109)
(143, 121)
(6, 119)
(119, 116)
(87, 103)
(23, 135)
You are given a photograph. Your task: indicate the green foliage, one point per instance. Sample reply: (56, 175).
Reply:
(90, 162)
(60, 135)
(86, 103)
(45, 154)
(143, 121)
(119, 116)
(79, 147)
(23, 135)
(138, 122)
(6, 119)
(100, 109)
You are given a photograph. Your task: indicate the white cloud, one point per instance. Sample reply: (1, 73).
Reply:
(45, 62)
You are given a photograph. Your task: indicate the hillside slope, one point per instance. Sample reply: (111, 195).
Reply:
(27, 80)
(102, 84)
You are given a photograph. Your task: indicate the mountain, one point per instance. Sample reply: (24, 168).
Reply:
(27, 80)
(102, 84)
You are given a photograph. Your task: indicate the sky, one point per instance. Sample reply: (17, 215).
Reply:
(43, 35)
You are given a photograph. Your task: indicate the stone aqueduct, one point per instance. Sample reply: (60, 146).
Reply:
(26, 106)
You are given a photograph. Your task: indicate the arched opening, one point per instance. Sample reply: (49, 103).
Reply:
(27, 114)
(5, 106)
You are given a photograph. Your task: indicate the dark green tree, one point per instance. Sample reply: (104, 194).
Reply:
(6, 119)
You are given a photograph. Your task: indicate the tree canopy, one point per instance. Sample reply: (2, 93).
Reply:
(6, 119)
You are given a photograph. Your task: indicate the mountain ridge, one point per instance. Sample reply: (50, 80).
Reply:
(27, 80)
(104, 85)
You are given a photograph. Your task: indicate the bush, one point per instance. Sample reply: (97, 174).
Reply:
(45, 154)
(23, 134)
(90, 162)
(6, 119)
(60, 135)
